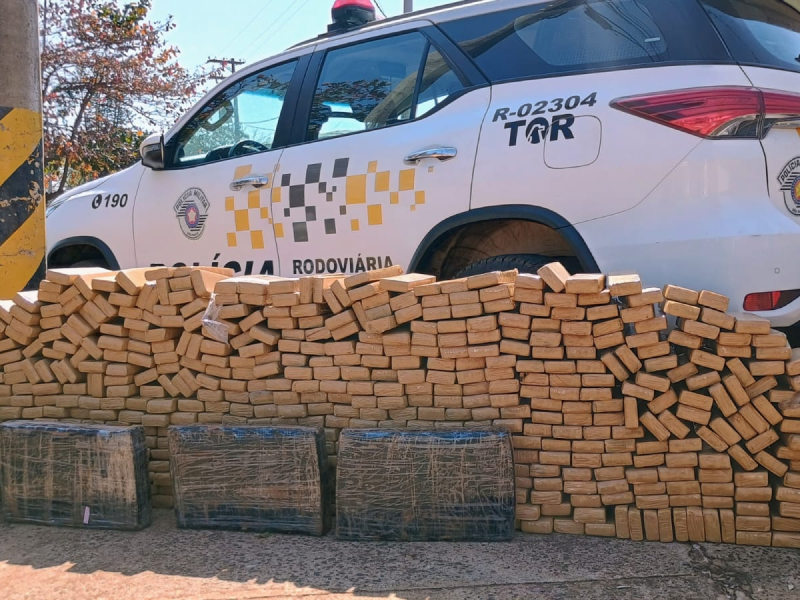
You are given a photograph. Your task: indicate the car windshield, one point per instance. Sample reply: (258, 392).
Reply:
(242, 119)
(253, 115)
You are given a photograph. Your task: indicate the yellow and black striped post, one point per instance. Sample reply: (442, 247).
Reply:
(22, 199)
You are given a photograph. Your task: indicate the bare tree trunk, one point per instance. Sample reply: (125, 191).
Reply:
(75, 128)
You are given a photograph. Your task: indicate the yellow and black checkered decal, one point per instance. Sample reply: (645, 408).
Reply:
(362, 196)
(249, 221)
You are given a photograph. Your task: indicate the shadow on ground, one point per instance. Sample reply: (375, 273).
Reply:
(164, 562)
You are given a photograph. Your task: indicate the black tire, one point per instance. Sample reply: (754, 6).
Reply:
(525, 263)
(90, 263)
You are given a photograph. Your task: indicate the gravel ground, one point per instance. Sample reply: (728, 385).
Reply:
(164, 562)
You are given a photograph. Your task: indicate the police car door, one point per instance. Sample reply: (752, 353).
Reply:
(210, 205)
(386, 135)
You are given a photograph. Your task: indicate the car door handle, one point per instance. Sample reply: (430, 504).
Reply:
(437, 153)
(257, 181)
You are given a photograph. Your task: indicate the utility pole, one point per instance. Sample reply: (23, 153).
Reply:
(225, 63)
(22, 198)
(408, 6)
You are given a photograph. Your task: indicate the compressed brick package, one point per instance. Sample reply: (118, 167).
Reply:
(250, 478)
(425, 485)
(68, 474)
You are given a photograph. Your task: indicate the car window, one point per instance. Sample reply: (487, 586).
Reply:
(439, 82)
(760, 32)
(571, 36)
(374, 84)
(241, 120)
(603, 32)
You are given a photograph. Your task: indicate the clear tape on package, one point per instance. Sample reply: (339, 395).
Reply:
(425, 485)
(251, 478)
(69, 474)
(214, 328)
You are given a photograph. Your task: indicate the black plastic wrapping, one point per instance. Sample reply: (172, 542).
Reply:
(250, 478)
(68, 474)
(425, 485)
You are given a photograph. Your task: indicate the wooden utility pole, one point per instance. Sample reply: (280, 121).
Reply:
(225, 63)
(22, 199)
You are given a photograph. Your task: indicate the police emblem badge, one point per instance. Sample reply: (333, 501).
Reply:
(789, 180)
(191, 210)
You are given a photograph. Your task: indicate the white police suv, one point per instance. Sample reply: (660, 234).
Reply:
(655, 136)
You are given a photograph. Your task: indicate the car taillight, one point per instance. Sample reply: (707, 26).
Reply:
(717, 112)
(761, 301)
(765, 301)
(781, 109)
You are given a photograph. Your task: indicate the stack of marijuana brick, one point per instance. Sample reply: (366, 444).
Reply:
(610, 404)
(106, 347)
(636, 465)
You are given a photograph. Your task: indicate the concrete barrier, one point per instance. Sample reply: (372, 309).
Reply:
(22, 202)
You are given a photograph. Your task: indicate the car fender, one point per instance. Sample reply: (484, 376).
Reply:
(93, 242)
(101, 213)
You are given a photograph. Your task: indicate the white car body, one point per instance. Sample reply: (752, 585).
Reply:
(628, 194)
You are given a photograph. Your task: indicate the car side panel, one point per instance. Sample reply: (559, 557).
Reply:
(92, 214)
(628, 157)
(782, 144)
(709, 225)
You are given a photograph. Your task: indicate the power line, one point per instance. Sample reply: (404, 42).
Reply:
(380, 8)
(239, 33)
(274, 24)
(299, 8)
(297, 4)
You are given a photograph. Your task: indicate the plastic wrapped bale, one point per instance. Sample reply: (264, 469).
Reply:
(425, 485)
(68, 474)
(250, 478)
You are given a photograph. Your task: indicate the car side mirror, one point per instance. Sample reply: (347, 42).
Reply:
(152, 152)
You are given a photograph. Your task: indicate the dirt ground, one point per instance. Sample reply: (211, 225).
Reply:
(164, 562)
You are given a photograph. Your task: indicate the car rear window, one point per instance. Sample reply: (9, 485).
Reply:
(574, 36)
(590, 34)
(759, 32)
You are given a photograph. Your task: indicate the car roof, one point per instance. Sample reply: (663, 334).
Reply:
(456, 9)
(447, 12)
(427, 12)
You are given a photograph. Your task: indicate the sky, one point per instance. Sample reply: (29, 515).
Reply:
(250, 30)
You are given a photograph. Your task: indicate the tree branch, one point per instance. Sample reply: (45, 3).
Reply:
(73, 136)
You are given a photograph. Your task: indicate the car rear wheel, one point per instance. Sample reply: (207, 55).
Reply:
(524, 263)
(90, 263)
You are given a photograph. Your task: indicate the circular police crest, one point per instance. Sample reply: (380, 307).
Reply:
(790, 185)
(191, 210)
